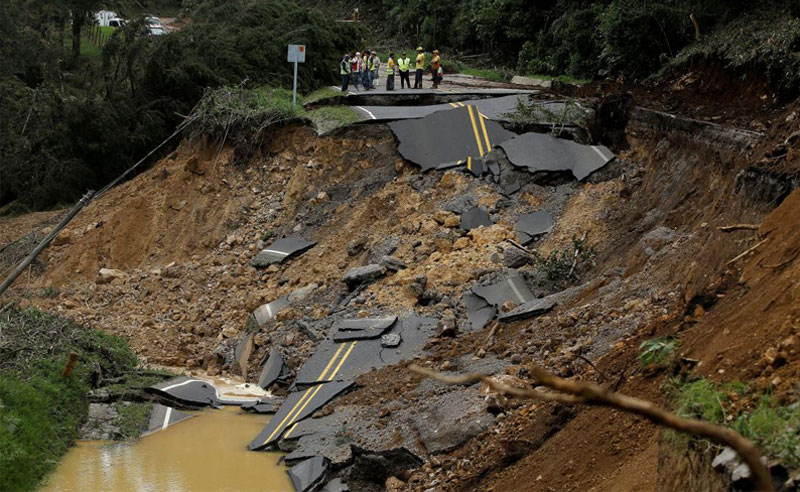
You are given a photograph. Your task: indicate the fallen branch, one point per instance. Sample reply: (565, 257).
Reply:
(602, 375)
(739, 227)
(573, 392)
(575, 255)
(747, 251)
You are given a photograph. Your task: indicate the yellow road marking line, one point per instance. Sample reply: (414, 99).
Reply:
(331, 362)
(475, 130)
(333, 374)
(303, 398)
(454, 105)
(469, 163)
(485, 133)
(290, 430)
(483, 115)
(461, 104)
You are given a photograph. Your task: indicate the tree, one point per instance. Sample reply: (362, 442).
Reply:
(82, 11)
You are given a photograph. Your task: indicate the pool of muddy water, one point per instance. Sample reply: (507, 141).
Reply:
(205, 453)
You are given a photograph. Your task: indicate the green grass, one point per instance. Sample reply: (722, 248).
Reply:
(561, 78)
(321, 94)
(496, 75)
(328, 118)
(774, 428)
(39, 411)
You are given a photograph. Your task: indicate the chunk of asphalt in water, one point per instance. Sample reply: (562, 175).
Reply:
(335, 485)
(361, 328)
(530, 225)
(272, 368)
(187, 390)
(263, 405)
(479, 312)
(296, 407)
(308, 474)
(512, 289)
(268, 311)
(391, 340)
(539, 152)
(162, 416)
(281, 250)
(447, 136)
(474, 218)
(529, 309)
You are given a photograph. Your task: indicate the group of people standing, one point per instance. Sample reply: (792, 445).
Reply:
(364, 68)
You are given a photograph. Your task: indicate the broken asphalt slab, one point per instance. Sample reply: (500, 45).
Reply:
(530, 309)
(511, 289)
(361, 328)
(448, 136)
(263, 405)
(332, 360)
(272, 369)
(267, 312)
(363, 274)
(494, 108)
(474, 218)
(446, 421)
(298, 405)
(281, 250)
(162, 416)
(538, 152)
(479, 311)
(308, 474)
(192, 392)
(531, 225)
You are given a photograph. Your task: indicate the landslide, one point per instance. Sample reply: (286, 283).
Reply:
(182, 236)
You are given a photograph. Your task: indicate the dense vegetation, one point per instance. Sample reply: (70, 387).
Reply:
(74, 122)
(592, 38)
(39, 410)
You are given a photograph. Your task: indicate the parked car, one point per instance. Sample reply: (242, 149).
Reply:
(116, 22)
(154, 22)
(155, 31)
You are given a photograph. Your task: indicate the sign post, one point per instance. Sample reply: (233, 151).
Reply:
(297, 54)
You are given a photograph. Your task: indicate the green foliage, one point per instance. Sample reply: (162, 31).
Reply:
(535, 113)
(39, 411)
(564, 264)
(69, 125)
(698, 399)
(328, 118)
(133, 419)
(658, 350)
(775, 429)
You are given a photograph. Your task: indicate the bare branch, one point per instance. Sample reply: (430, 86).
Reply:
(739, 227)
(594, 394)
(747, 251)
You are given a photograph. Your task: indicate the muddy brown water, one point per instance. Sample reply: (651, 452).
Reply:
(205, 453)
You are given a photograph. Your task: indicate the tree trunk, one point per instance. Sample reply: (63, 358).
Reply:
(77, 23)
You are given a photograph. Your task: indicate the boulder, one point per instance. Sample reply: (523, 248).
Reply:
(364, 274)
(107, 275)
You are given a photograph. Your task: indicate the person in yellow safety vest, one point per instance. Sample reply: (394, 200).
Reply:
(390, 72)
(419, 66)
(345, 70)
(404, 65)
(365, 70)
(436, 67)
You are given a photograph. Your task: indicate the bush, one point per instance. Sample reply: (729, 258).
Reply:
(39, 411)
(658, 350)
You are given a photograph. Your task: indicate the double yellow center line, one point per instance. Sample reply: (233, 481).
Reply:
(478, 122)
(311, 392)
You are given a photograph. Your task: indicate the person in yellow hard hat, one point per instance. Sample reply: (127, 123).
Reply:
(436, 67)
(419, 66)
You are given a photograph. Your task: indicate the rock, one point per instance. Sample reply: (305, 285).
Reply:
(301, 293)
(442, 245)
(390, 340)
(393, 263)
(461, 243)
(64, 237)
(447, 327)
(394, 484)
(515, 257)
(322, 196)
(356, 246)
(171, 271)
(364, 274)
(107, 275)
(462, 204)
